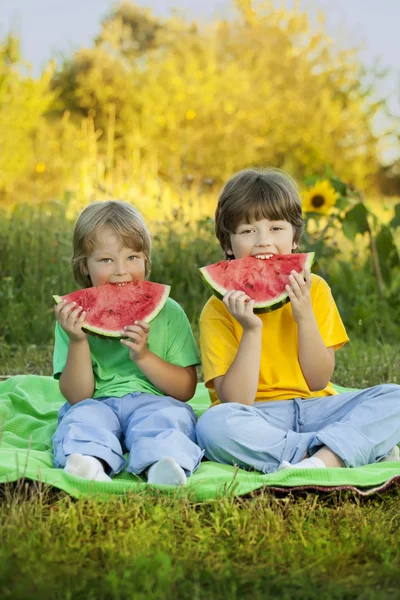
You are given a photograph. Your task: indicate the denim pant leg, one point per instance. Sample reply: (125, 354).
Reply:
(253, 437)
(90, 427)
(361, 427)
(159, 426)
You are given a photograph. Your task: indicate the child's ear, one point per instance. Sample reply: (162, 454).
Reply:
(230, 252)
(294, 246)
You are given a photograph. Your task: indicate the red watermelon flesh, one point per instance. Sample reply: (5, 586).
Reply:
(263, 280)
(111, 307)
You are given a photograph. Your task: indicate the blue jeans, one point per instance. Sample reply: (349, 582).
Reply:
(360, 427)
(149, 427)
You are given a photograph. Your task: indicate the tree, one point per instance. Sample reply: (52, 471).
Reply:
(264, 88)
(23, 105)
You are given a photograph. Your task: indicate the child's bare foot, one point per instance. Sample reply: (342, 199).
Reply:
(87, 467)
(166, 471)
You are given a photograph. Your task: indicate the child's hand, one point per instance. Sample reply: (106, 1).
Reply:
(71, 318)
(137, 343)
(241, 307)
(299, 294)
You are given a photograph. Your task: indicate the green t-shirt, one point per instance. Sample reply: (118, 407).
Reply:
(115, 374)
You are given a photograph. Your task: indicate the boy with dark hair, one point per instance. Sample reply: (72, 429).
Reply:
(269, 375)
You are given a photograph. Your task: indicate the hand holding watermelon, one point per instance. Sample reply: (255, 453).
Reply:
(71, 318)
(137, 342)
(108, 307)
(265, 281)
(241, 307)
(298, 290)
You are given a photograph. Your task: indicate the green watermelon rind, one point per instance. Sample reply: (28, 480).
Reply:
(259, 308)
(103, 333)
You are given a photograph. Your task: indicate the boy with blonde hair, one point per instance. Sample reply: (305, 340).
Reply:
(129, 394)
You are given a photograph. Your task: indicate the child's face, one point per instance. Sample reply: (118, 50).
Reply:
(262, 239)
(111, 263)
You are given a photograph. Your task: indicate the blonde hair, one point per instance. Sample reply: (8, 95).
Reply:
(123, 219)
(255, 194)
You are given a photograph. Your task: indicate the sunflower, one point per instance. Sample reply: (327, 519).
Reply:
(320, 198)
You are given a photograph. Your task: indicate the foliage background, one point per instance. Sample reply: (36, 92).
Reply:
(169, 99)
(160, 112)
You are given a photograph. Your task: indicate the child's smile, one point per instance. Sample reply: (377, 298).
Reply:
(263, 256)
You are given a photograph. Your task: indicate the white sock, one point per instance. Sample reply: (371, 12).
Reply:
(87, 467)
(394, 454)
(166, 471)
(307, 463)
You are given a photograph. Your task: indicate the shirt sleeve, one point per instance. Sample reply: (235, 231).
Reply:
(181, 345)
(218, 340)
(60, 353)
(327, 316)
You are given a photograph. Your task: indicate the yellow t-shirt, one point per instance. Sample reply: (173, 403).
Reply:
(280, 376)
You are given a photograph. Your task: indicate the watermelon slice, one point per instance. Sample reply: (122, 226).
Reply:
(110, 307)
(263, 280)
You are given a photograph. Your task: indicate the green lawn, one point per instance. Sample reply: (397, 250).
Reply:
(150, 546)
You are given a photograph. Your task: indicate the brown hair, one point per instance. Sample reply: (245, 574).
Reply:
(125, 221)
(255, 194)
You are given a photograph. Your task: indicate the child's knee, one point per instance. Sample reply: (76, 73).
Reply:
(91, 413)
(212, 428)
(81, 411)
(390, 388)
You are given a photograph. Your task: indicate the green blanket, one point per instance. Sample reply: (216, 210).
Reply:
(28, 418)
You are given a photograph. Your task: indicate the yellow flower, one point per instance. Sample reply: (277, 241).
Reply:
(40, 167)
(320, 198)
(190, 115)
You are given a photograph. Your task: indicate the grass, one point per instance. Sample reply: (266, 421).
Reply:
(360, 364)
(150, 546)
(363, 363)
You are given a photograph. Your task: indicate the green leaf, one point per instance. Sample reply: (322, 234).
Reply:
(339, 185)
(316, 247)
(395, 222)
(311, 180)
(342, 203)
(388, 252)
(375, 219)
(355, 221)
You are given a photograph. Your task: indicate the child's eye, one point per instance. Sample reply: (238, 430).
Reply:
(106, 260)
(247, 231)
(133, 257)
(277, 228)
